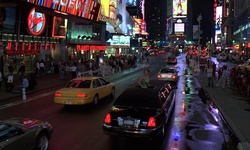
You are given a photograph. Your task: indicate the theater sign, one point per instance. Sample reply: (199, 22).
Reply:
(87, 9)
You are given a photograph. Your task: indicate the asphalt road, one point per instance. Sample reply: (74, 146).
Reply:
(191, 126)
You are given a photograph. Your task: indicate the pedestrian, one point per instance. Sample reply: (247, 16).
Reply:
(21, 70)
(73, 69)
(11, 68)
(210, 76)
(223, 79)
(42, 67)
(144, 79)
(62, 72)
(9, 83)
(25, 83)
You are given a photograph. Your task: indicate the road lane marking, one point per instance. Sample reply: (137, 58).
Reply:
(28, 100)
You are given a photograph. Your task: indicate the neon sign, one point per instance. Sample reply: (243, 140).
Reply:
(80, 8)
(90, 47)
(36, 22)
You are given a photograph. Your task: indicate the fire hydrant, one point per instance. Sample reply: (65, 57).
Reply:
(24, 93)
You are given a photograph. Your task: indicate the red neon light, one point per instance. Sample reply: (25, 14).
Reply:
(16, 48)
(79, 8)
(29, 46)
(35, 46)
(23, 46)
(50, 46)
(9, 45)
(36, 22)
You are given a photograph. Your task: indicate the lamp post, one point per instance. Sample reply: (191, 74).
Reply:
(199, 47)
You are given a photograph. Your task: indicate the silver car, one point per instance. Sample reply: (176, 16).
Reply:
(168, 74)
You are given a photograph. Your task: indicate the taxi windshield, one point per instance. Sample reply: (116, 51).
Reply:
(79, 84)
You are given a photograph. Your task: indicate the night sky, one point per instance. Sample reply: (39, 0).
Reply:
(205, 8)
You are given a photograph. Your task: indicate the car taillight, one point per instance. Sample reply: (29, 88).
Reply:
(81, 95)
(57, 94)
(173, 76)
(151, 122)
(107, 119)
(158, 76)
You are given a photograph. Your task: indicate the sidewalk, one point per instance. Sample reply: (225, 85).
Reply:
(53, 80)
(43, 82)
(234, 107)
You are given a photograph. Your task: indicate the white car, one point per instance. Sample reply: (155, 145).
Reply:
(168, 74)
(221, 57)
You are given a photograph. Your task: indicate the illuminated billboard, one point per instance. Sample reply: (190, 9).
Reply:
(179, 27)
(7, 19)
(36, 22)
(179, 8)
(218, 21)
(80, 8)
(59, 27)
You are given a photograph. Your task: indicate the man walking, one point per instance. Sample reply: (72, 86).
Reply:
(210, 76)
(223, 78)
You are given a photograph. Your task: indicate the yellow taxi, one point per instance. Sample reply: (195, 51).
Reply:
(84, 90)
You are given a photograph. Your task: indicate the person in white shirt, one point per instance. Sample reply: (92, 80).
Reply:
(73, 69)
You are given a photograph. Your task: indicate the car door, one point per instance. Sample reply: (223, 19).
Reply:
(98, 88)
(16, 139)
(105, 87)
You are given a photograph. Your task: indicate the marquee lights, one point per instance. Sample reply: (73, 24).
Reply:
(80, 8)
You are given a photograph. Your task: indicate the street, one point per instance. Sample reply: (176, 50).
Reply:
(192, 125)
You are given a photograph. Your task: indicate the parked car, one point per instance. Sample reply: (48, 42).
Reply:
(84, 90)
(168, 74)
(153, 52)
(24, 134)
(171, 60)
(141, 112)
(221, 57)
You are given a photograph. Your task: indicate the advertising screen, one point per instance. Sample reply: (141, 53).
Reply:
(179, 27)
(59, 27)
(218, 18)
(7, 19)
(179, 8)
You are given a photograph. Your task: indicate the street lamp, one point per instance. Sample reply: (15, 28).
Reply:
(199, 47)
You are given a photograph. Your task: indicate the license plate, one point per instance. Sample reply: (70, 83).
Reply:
(128, 122)
(68, 102)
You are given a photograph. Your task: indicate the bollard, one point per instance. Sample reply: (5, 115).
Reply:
(90, 73)
(24, 93)
(103, 73)
(120, 69)
(113, 71)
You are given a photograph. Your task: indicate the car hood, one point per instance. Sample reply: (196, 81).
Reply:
(26, 123)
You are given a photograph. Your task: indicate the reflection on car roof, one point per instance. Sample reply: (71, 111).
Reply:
(139, 97)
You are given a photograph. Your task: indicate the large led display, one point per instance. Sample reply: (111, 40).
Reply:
(115, 15)
(179, 8)
(179, 27)
(218, 20)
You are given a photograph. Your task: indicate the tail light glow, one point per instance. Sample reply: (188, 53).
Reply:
(158, 76)
(151, 122)
(107, 119)
(173, 76)
(81, 95)
(58, 95)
